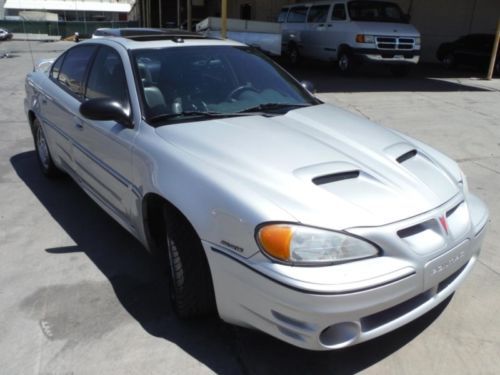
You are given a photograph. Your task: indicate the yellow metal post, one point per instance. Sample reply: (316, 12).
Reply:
(189, 17)
(223, 13)
(494, 52)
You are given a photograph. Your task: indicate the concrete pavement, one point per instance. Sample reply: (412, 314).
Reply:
(78, 295)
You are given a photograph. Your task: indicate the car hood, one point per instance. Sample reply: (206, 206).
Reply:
(323, 165)
(386, 28)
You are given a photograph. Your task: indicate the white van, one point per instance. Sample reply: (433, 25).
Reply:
(350, 32)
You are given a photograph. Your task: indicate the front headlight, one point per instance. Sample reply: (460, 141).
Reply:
(362, 38)
(300, 245)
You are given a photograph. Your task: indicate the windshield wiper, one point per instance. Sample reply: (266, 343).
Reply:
(187, 114)
(273, 106)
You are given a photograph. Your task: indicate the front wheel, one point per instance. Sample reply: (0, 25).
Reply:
(191, 288)
(42, 151)
(293, 55)
(346, 63)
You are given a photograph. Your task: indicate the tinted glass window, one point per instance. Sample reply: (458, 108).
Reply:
(107, 77)
(56, 68)
(73, 68)
(282, 15)
(297, 14)
(318, 13)
(338, 12)
(375, 11)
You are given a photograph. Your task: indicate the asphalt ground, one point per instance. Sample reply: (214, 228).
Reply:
(79, 295)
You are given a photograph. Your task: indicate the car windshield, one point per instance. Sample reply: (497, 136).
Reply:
(375, 11)
(193, 83)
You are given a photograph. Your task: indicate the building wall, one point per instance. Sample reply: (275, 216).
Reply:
(2, 10)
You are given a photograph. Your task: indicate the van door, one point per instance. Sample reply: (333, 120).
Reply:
(316, 28)
(337, 32)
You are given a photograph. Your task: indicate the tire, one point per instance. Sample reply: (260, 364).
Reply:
(190, 282)
(293, 55)
(346, 63)
(400, 70)
(449, 61)
(43, 155)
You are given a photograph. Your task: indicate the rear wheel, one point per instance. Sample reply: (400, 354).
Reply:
(293, 55)
(42, 151)
(191, 288)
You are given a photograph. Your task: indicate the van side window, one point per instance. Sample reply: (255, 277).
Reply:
(297, 15)
(282, 15)
(318, 13)
(338, 13)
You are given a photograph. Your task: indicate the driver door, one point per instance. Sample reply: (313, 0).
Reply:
(102, 151)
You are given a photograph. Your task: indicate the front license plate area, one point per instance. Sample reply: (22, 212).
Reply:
(444, 265)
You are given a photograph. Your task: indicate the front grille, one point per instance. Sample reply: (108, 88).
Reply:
(395, 43)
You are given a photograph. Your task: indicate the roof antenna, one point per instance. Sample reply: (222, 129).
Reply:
(26, 39)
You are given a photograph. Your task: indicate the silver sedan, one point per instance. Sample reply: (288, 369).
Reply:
(271, 208)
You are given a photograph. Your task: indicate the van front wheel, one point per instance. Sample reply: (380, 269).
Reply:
(346, 63)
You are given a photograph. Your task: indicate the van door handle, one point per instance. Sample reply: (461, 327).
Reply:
(329, 25)
(321, 25)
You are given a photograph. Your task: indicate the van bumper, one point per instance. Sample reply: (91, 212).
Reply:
(375, 56)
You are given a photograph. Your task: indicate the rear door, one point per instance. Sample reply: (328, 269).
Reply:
(316, 31)
(60, 101)
(102, 150)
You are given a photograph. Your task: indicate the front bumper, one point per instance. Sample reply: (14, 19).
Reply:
(376, 56)
(324, 320)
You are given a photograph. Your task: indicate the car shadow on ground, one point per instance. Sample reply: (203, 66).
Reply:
(139, 283)
(423, 78)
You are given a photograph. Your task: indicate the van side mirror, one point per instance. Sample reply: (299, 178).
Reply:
(106, 109)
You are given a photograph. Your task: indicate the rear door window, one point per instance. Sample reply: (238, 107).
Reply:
(73, 69)
(297, 14)
(282, 15)
(318, 13)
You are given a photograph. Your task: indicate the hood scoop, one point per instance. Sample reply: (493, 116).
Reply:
(335, 177)
(406, 156)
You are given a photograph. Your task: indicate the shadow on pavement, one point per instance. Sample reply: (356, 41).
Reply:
(423, 78)
(140, 286)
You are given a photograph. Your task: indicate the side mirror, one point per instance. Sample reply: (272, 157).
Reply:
(106, 109)
(406, 18)
(308, 85)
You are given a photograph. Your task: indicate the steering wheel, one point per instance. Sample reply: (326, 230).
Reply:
(237, 91)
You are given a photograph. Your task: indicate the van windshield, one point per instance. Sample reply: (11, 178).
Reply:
(375, 11)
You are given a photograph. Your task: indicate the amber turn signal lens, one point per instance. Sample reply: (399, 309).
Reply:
(360, 38)
(275, 239)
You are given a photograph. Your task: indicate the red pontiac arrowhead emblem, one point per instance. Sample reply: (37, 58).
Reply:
(444, 223)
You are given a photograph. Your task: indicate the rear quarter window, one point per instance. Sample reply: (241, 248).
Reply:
(297, 14)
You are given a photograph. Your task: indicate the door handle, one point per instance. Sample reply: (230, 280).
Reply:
(329, 25)
(78, 122)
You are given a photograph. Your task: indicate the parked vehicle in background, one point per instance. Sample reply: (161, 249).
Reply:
(271, 208)
(126, 32)
(265, 36)
(470, 50)
(350, 33)
(5, 35)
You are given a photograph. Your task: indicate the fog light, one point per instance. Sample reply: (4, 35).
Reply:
(340, 335)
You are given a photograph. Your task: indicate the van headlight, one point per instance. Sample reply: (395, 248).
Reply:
(301, 245)
(362, 38)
